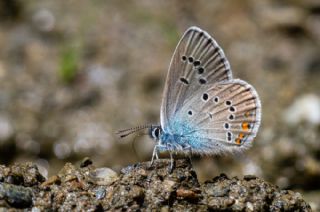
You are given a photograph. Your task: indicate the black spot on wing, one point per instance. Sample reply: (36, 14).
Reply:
(184, 80)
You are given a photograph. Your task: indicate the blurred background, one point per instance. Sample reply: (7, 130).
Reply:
(74, 72)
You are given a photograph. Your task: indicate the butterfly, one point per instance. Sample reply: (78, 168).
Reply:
(204, 110)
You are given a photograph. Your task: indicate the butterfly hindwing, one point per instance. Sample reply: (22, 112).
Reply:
(223, 118)
(198, 61)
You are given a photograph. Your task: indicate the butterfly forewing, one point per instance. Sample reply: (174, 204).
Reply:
(198, 61)
(224, 117)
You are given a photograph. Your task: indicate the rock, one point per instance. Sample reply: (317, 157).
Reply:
(100, 193)
(85, 162)
(250, 194)
(187, 194)
(249, 177)
(52, 180)
(16, 196)
(144, 187)
(103, 176)
(21, 174)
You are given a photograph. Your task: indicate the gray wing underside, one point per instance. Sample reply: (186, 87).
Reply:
(197, 62)
(227, 120)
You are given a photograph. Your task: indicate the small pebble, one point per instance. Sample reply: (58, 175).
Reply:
(103, 176)
(168, 185)
(186, 194)
(85, 162)
(249, 177)
(100, 193)
(136, 192)
(52, 180)
(16, 196)
(35, 209)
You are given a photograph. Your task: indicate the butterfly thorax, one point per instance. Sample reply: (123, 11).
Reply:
(167, 141)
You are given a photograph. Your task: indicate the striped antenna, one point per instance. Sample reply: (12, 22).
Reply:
(126, 132)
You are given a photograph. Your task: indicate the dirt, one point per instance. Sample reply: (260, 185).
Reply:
(139, 187)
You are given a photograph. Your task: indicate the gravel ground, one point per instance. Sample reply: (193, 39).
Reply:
(139, 187)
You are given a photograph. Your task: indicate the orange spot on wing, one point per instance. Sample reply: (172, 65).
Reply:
(241, 135)
(245, 126)
(238, 141)
(247, 114)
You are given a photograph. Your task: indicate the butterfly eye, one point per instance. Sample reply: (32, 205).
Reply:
(156, 133)
(205, 96)
(184, 58)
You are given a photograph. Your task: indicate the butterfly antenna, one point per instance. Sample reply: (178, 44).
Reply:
(126, 132)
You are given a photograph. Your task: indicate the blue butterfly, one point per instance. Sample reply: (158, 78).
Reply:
(204, 110)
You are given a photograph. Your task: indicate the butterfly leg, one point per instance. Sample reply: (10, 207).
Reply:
(172, 163)
(189, 149)
(155, 152)
(171, 149)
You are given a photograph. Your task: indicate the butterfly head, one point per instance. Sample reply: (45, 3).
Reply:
(155, 132)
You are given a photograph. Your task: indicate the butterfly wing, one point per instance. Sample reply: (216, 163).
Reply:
(223, 118)
(197, 62)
